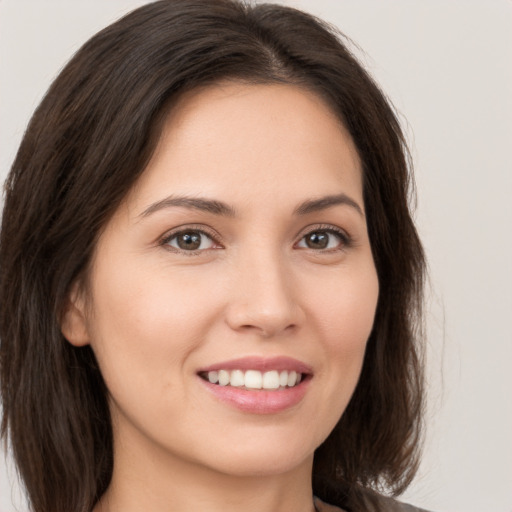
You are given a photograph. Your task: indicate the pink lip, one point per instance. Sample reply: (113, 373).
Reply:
(260, 401)
(261, 364)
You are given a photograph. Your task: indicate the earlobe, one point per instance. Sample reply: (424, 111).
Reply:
(73, 324)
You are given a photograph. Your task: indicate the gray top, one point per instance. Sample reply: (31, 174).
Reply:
(384, 505)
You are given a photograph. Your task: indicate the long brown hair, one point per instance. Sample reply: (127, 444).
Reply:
(86, 145)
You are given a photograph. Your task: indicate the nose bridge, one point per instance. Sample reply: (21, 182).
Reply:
(265, 300)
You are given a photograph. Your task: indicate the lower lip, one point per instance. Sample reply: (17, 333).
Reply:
(259, 401)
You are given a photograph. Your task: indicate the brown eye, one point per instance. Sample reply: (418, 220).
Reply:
(190, 241)
(321, 240)
(317, 240)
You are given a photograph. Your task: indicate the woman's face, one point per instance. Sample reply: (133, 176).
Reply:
(241, 257)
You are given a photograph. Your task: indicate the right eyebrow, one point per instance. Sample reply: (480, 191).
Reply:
(204, 205)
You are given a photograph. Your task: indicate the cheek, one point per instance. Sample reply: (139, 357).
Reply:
(345, 309)
(145, 322)
(345, 315)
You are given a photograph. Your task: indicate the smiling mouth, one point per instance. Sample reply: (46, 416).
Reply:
(272, 380)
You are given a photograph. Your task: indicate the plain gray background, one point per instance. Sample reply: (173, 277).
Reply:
(447, 67)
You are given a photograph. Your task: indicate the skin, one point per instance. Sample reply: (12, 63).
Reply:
(155, 314)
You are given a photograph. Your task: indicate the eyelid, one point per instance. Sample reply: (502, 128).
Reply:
(198, 228)
(346, 239)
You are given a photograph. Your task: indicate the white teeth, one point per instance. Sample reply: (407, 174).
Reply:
(237, 378)
(254, 379)
(223, 377)
(292, 378)
(271, 380)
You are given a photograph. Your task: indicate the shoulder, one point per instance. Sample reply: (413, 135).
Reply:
(381, 504)
(321, 506)
(391, 505)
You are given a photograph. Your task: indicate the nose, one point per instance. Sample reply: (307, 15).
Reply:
(264, 300)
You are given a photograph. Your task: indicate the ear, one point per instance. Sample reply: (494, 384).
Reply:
(73, 324)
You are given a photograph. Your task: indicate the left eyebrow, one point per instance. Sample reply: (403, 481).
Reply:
(322, 203)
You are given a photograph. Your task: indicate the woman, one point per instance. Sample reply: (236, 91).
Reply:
(211, 282)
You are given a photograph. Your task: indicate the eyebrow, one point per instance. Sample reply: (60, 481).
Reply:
(219, 208)
(204, 205)
(322, 203)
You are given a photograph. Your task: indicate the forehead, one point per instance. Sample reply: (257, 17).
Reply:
(242, 140)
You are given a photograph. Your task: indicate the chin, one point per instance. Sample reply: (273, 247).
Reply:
(260, 455)
(260, 464)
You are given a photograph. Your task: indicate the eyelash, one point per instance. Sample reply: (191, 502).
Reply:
(188, 229)
(345, 240)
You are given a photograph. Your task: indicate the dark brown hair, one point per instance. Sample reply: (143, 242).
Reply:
(86, 145)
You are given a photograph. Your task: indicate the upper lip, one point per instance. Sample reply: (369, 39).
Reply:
(262, 364)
